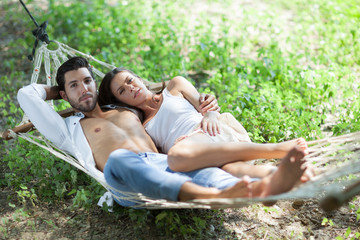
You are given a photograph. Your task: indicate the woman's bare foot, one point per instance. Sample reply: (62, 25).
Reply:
(289, 172)
(288, 145)
(308, 174)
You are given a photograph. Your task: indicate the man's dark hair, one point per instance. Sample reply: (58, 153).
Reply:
(73, 63)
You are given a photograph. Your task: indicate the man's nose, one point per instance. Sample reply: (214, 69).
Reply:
(84, 88)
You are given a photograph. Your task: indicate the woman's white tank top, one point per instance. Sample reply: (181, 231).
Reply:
(175, 118)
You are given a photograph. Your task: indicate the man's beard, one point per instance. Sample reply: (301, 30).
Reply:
(85, 107)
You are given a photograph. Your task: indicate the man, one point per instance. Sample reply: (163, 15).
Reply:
(115, 143)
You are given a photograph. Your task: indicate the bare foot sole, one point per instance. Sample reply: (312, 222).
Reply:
(283, 180)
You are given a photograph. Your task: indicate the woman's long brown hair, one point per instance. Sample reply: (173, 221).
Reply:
(106, 96)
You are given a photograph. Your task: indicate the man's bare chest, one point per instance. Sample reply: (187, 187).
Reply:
(125, 120)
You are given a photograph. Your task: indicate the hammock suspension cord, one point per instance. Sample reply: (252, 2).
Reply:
(39, 32)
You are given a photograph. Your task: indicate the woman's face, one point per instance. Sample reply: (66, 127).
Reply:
(128, 89)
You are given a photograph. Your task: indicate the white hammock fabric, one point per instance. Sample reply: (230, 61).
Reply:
(336, 157)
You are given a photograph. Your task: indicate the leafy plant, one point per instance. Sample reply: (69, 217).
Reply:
(281, 81)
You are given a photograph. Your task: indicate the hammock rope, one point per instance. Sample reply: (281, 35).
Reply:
(39, 32)
(331, 179)
(335, 158)
(327, 155)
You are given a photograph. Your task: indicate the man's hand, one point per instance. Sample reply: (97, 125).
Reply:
(52, 93)
(208, 103)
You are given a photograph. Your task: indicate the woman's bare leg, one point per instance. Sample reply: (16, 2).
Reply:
(198, 151)
(283, 180)
(240, 169)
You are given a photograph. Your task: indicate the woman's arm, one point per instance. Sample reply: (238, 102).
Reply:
(203, 103)
(181, 87)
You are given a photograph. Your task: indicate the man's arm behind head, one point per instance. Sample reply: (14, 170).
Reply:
(48, 122)
(52, 93)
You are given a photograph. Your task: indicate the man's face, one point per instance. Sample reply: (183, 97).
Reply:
(80, 90)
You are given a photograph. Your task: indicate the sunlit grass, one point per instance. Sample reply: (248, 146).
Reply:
(284, 69)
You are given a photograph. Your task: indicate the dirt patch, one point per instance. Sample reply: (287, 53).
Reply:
(285, 220)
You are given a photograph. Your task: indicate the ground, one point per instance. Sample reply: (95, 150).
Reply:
(285, 220)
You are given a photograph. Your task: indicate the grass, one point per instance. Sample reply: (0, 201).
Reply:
(283, 69)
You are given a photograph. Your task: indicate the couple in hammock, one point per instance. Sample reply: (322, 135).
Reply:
(114, 144)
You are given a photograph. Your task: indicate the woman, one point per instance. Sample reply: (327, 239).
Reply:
(193, 139)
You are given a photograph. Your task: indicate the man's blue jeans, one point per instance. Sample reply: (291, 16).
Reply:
(149, 174)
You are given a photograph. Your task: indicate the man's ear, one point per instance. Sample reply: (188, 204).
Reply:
(63, 95)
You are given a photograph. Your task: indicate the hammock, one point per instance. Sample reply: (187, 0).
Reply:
(335, 158)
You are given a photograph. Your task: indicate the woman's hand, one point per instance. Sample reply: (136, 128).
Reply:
(210, 124)
(208, 103)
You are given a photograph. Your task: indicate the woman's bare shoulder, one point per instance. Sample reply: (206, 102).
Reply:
(176, 85)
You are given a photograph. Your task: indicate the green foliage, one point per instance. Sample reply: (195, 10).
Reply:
(173, 224)
(349, 235)
(139, 217)
(349, 121)
(269, 209)
(25, 195)
(326, 222)
(49, 178)
(280, 81)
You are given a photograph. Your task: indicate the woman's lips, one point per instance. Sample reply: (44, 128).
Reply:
(137, 93)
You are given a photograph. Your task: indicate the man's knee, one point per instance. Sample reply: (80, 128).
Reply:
(118, 164)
